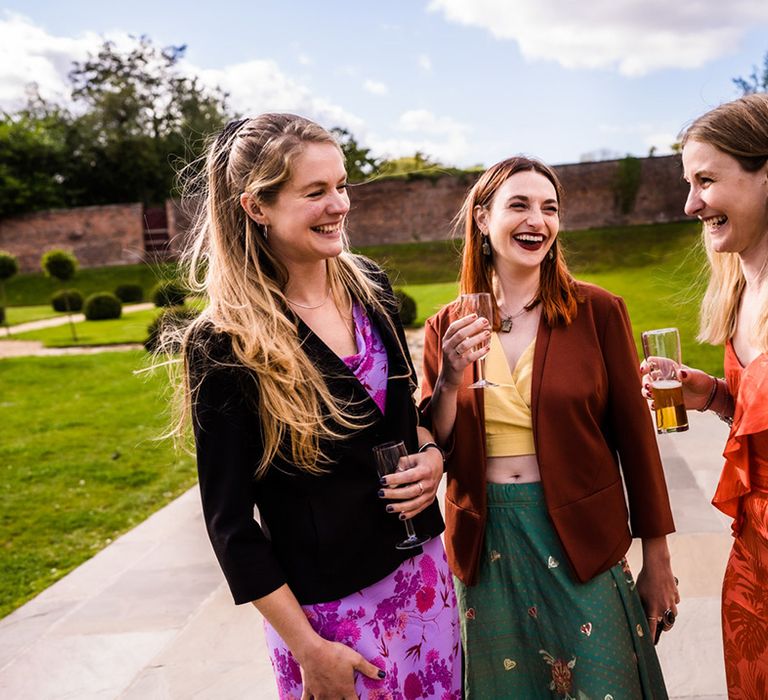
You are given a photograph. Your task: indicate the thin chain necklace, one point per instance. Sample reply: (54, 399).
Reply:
(506, 321)
(308, 306)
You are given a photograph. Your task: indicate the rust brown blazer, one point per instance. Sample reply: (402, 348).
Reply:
(591, 425)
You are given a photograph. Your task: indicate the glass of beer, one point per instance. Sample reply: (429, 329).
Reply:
(482, 305)
(662, 355)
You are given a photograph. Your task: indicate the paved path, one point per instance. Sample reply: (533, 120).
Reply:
(23, 348)
(150, 617)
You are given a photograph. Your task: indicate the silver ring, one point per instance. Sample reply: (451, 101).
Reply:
(421, 488)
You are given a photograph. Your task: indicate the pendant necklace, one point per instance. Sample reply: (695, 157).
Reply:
(506, 321)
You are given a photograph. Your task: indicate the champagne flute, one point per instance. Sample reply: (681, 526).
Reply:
(388, 458)
(482, 305)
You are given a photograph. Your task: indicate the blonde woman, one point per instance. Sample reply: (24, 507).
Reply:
(537, 517)
(295, 371)
(725, 161)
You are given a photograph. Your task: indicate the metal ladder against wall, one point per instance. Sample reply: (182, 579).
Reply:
(156, 240)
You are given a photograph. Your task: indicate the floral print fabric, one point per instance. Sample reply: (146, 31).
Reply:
(370, 364)
(406, 624)
(530, 630)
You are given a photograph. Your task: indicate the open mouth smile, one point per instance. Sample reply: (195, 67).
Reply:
(712, 223)
(530, 241)
(327, 228)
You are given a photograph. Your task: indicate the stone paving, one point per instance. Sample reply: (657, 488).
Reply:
(150, 617)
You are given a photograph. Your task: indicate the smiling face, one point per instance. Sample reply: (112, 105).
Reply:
(522, 220)
(731, 202)
(305, 222)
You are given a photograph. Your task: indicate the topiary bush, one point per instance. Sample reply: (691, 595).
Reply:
(129, 293)
(169, 293)
(60, 264)
(67, 300)
(9, 266)
(165, 331)
(102, 305)
(406, 306)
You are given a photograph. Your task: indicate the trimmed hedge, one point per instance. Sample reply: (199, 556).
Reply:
(170, 293)
(406, 306)
(67, 300)
(129, 293)
(102, 306)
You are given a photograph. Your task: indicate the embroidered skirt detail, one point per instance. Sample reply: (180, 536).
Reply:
(530, 630)
(745, 600)
(406, 624)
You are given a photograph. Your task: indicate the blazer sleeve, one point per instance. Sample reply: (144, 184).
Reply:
(631, 429)
(228, 444)
(430, 369)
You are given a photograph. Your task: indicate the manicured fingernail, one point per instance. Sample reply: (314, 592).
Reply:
(390, 509)
(381, 493)
(382, 674)
(402, 516)
(383, 481)
(683, 374)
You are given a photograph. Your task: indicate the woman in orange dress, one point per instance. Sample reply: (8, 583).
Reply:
(725, 162)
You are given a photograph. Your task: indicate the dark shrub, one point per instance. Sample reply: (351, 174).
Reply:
(170, 293)
(9, 266)
(67, 300)
(59, 264)
(166, 328)
(407, 307)
(102, 305)
(129, 293)
(2, 315)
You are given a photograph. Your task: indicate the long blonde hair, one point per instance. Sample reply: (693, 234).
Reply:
(740, 129)
(230, 261)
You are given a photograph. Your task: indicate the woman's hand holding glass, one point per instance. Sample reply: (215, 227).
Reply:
(697, 385)
(465, 341)
(414, 486)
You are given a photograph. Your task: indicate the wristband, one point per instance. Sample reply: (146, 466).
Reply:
(712, 395)
(427, 445)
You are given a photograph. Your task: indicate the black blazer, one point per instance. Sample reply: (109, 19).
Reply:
(325, 536)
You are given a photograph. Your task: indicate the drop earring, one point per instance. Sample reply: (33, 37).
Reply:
(485, 247)
(551, 253)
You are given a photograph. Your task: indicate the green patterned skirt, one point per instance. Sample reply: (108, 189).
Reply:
(531, 631)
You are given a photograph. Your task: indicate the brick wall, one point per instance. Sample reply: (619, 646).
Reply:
(383, 211)
(103, 235)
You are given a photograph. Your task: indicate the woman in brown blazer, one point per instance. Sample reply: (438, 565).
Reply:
(537, 520)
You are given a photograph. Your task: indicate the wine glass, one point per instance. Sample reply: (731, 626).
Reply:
(482, 305)
(388, 458)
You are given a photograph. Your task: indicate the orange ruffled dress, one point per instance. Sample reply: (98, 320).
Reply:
(742, 493)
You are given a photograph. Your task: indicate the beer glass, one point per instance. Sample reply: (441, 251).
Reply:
(662, 354)
(482, 305)
(388, 462)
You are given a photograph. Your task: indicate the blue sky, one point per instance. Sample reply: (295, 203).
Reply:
(466, 81)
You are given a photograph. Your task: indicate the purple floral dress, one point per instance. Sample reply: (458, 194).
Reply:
(407, 623)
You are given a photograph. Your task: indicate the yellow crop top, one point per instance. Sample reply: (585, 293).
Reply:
(508, 426)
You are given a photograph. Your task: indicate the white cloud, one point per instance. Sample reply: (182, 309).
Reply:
(440, 137)
(633, 36)
(304, 59)
(425, 63)
(28, 53)
(375, 87)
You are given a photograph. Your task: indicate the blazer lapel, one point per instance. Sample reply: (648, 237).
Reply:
(539, 358)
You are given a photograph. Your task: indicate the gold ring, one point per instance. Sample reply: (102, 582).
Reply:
(421, 489)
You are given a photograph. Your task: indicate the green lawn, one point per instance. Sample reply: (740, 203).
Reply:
(24, 314)
(36, 288)
(79, 461)
(129, 328)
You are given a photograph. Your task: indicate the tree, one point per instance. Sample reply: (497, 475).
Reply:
(757, 81)
(61, 265)
(9, 266)
(359, 161)
(135, 117)
(406, 165)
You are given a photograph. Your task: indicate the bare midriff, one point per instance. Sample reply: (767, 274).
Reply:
(520, 469)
